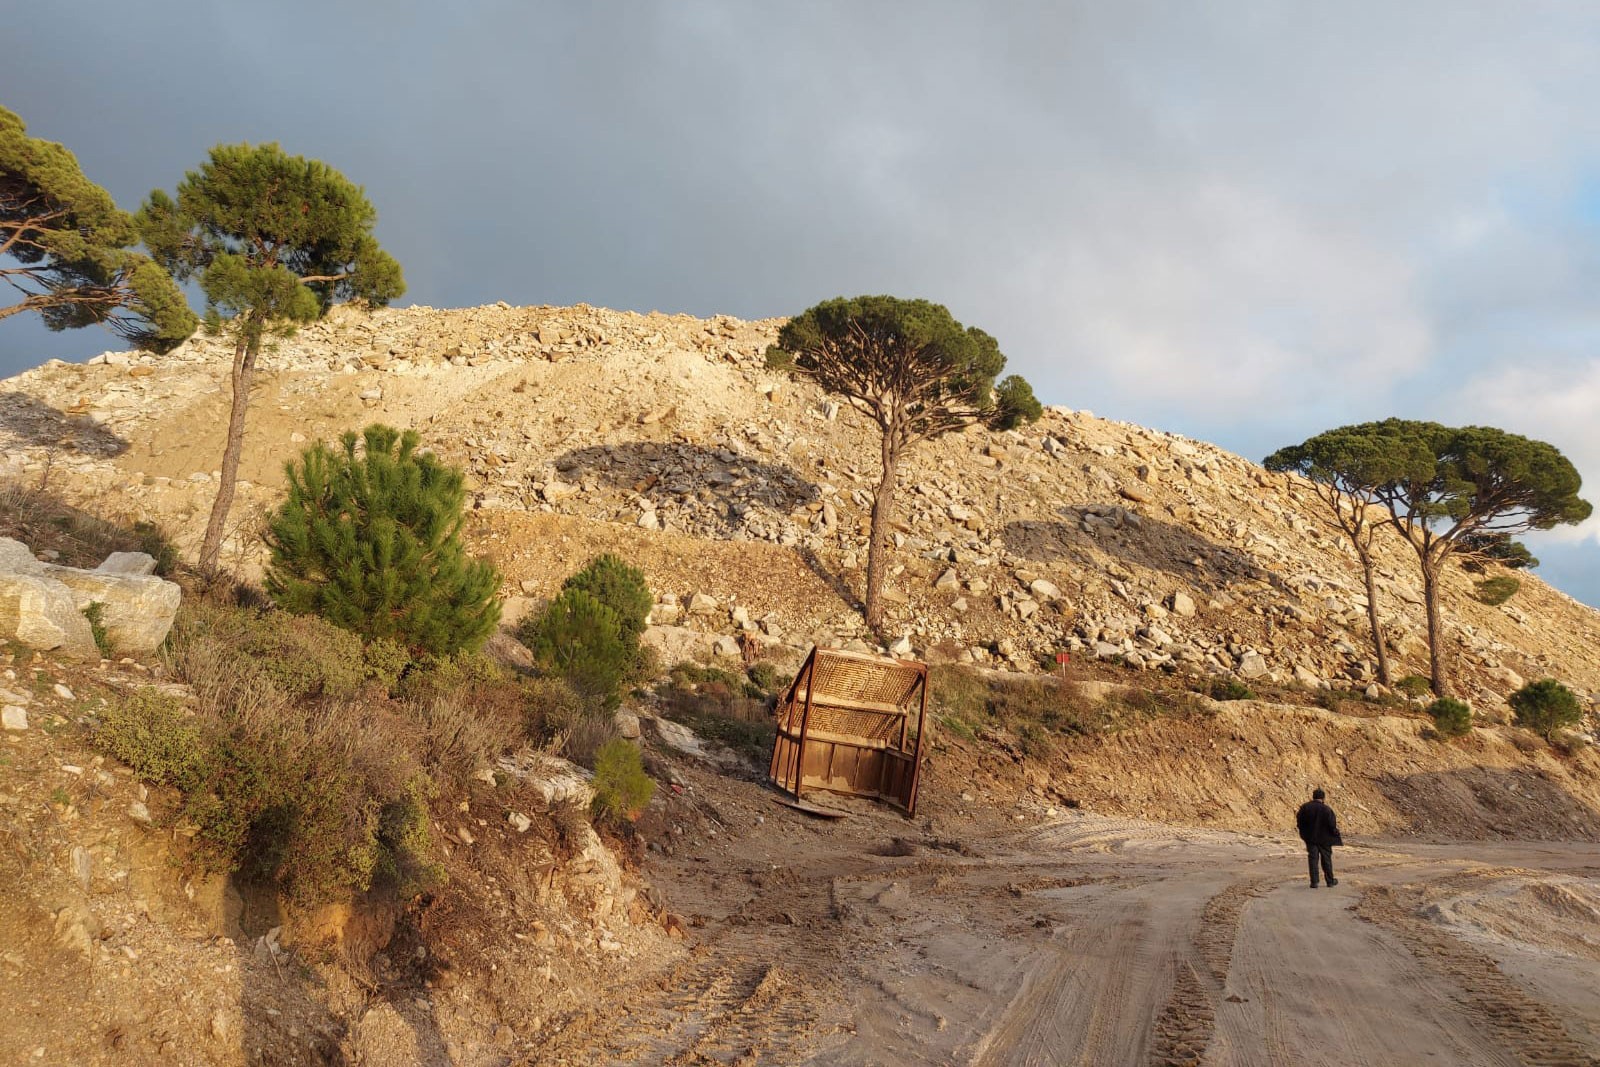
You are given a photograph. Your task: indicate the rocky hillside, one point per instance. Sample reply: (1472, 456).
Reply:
(745, 496)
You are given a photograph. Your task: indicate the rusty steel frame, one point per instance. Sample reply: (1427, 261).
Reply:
(883, 760)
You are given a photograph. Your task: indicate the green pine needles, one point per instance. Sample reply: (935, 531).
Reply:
(370, 539)
(589, 633)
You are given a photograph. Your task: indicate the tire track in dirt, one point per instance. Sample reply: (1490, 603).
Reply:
(756, 994)
(1184, 1028)
(1068, 1009)
(1522, 1024)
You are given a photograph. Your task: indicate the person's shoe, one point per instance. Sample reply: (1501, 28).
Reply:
(1313, 885)
(1332, 882)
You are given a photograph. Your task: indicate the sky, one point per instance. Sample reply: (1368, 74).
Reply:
(1245, 221)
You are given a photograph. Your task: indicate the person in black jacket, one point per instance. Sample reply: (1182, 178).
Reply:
(1319, 829)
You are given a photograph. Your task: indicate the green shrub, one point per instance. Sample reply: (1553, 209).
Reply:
(445, 674)
(552, 708)
(1414, 685)
(1451, 718)
(369, 538)
(580, 639)
(96, 614)
(1545, 706)
(619, 587)
(300, 655)
(1223, 688)
(1497, 590)
(766, 676)
(621, 787)
(153, 541)
(155, 734)
(386, 661)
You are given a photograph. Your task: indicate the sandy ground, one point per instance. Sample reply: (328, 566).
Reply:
(1082, 939)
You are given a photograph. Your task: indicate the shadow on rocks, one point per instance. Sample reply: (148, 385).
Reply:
(37, 423)
(708, 488)
(1090, 530)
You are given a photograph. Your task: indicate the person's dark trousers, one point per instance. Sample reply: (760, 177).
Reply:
(1324, 854)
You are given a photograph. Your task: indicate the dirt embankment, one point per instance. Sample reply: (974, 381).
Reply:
(1248, 765)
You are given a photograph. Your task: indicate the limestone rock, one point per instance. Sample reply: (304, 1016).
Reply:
(1252, 665)
(137, 609)
(13, 717)
(1181, 605)
(40, 612)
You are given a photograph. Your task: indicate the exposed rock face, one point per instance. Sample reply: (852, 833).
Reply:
(42, 605)
(1076, 533)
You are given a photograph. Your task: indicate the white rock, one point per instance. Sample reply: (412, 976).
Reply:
(63, 692)
(627, 724)
(40, 612)
(1044, 589)
(902, 647)
(137, 609)
(520, 821)
(1181, 605)
(1252, 665)
(135, 563)
(948, 580)
(13, 717)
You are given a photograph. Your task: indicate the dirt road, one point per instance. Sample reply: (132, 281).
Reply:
(1088, 940)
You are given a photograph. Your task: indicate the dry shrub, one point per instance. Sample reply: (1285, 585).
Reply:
(43, 521)
(461, 734)
(1526, 742)
(720, 706)
(583, 741)
(309, 777)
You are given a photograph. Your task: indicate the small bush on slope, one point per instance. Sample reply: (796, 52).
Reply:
(621, 787)
(1545, 706)
(1451, 718)
(369, 538)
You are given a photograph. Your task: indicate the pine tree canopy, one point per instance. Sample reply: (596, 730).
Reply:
(369, 538)
(274, 239)
(67, 249)
(619, 587)
(907, 364)
(1473, 478)
(581, 638)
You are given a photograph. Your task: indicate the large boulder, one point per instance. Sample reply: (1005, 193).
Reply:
(42, 605)
(41, 613)
(137, 609)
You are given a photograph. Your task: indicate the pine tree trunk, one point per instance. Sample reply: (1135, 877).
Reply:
(244, 370)
(878, 545)
(1372, 616)
(1436, 649)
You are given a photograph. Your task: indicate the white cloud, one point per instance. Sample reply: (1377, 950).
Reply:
(1554, 403)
